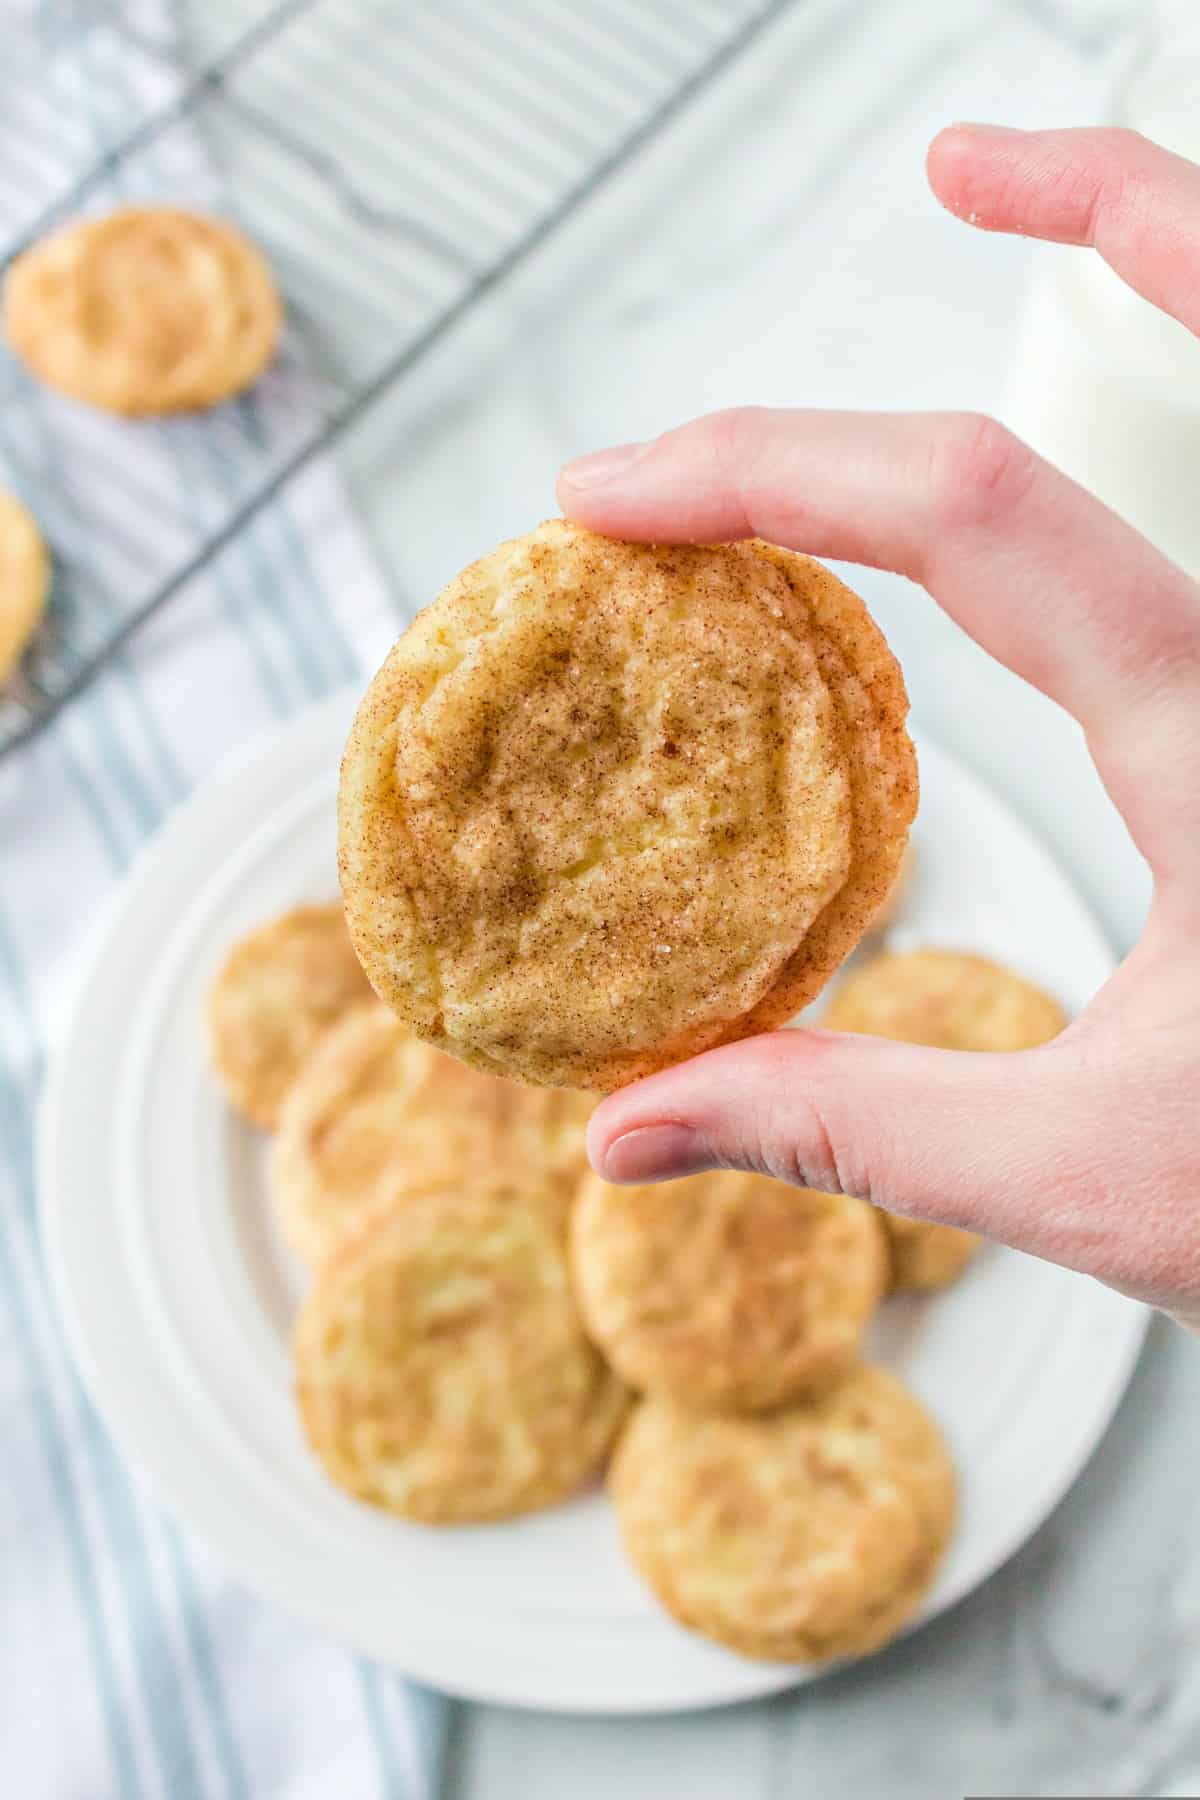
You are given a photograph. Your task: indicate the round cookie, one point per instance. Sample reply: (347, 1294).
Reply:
(442, 1370)
(278, 990)
(925, 1257)
(145, 310)
(897, 898)
(951, 1001)
(947, 999)
(24, 581)
(795, 1536)
(375, 1113)
(724, 1291)
(608, 804)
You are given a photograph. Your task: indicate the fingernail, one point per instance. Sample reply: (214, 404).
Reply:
(986, 129)
(602, 466)
(653, 1153)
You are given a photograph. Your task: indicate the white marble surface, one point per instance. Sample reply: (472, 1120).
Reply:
(781, 246)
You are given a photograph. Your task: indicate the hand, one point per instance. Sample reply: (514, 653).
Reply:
(1084, 1151)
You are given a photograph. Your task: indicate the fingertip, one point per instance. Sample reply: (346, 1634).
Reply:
(583, 478)
(955, 163)
(945, 162)
(646, 1132)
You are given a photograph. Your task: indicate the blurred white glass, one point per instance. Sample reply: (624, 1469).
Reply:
(1101, 382)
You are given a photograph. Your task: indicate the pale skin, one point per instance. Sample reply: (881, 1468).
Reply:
(1086, 1151)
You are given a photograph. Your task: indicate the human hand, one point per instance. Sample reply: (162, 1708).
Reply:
(1087, 1150)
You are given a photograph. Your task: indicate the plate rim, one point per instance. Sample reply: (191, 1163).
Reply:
(284, 739)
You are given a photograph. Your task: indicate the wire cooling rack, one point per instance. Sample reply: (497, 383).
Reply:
(396, 161)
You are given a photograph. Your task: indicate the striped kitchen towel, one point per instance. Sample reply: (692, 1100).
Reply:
(130, 1667)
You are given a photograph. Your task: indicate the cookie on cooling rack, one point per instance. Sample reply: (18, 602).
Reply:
(807, 1533)
(442, 1370)
(377, 1114)
(148, 309)
(726, 1291)
(609, 804)
(951, 1001)
(24, 581)
(278, 990)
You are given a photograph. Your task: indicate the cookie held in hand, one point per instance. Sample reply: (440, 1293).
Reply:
(607, 805)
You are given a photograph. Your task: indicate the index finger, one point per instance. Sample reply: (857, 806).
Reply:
(1135, 203)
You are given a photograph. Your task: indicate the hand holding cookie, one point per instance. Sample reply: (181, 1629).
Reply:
(609, 804)
(1084, 1150)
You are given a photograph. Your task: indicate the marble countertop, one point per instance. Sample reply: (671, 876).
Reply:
(780, 245)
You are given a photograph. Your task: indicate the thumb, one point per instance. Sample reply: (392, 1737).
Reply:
(963, 1139)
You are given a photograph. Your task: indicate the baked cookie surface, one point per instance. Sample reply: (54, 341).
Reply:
(148, 309)
(949, 1000)
(926, 1257)
(607, 804)
(724, 1291)
(24, 581)
(442, 1371)
(795, 1536)
(280, 987)
(376, 1114)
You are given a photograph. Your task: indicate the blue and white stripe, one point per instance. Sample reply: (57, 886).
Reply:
(131, 1667)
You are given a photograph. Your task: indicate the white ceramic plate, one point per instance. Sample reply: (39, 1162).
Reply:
(177, 1295)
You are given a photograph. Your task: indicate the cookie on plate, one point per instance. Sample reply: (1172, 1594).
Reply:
(278, 990)
(24, 581)
(610, 804)
(947, 999)
(377, 1114)
(926, 1257)
(442, 1370)
(726, 1291)
(794, 1536)
(951, 1001)
(145, 310)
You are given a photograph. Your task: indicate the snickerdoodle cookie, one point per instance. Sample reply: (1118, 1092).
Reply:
(148, 309)
(377, 1114)
(278, 990)
(725, 1291)
(898, 896)
(24, 581)
(609, 804)
(442, 1369)
(925, 1257)
(951, 1001)
(798, 1535)
(947, 999)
